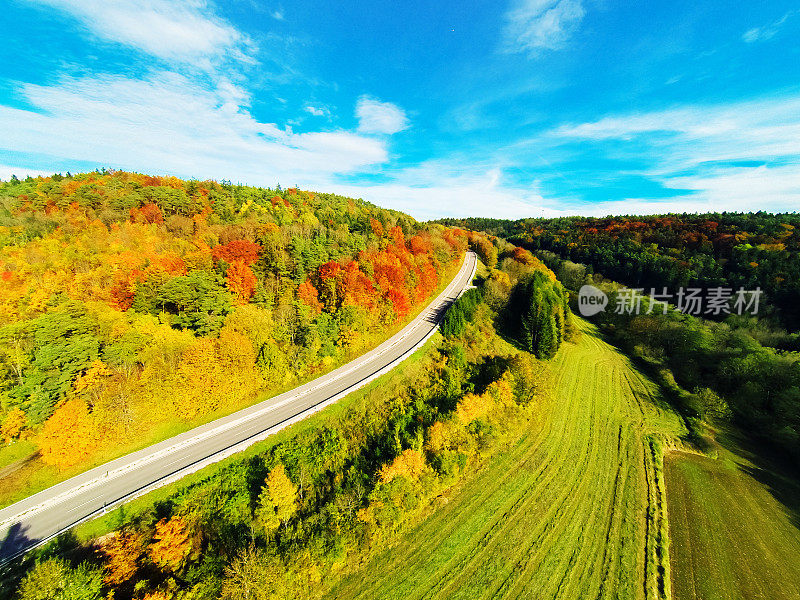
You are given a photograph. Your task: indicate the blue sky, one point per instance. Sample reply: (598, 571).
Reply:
(508, 109)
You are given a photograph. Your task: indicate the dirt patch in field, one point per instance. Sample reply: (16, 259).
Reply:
(9, 470)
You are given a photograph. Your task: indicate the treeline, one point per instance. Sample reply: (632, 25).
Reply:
(718, 371)
(289, 520)
(533, 305)
(742, 370)
(708, 250)
(132, 305)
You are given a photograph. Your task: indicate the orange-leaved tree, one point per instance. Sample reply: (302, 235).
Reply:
(70, 435)
(243, 251)
(307, 294)
(173, 543)
(122, 551)
(147, 214)
(357, 288)
(241, 282)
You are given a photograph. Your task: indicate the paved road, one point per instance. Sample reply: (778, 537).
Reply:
(36, 519)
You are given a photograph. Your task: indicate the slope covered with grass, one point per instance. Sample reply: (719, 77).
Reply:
(575, 508)
(731, 538)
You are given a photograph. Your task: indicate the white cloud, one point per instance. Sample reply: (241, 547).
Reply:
(278, 15)
(451, 188)
(537, 25)
(6, 171)
(746, 189)
(767, 32)
(435, 190)
(379, 117)
(736, 156)
(316, 111)
(685, 137)
(184, 31)
(168, 123)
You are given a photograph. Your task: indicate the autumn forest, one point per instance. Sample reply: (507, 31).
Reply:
(136, 304)
(134, 308)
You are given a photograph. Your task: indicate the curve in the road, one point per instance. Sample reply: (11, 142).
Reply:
(43, 516)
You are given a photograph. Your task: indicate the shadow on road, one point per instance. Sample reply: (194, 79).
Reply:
(13, 541)
(435, 315)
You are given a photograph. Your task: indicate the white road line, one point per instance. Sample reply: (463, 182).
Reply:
(301, 391)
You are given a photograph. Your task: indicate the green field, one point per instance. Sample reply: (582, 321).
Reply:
(731, 539)
(574, 509)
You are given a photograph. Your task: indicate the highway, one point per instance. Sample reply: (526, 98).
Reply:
(43, 516)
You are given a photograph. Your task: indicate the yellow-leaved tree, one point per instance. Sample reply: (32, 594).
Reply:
(277, 503)
(409, 464)
(91, 384)
(173, 543)
(472, 407)
(13, 425)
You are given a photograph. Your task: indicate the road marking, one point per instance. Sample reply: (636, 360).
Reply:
(445, 297)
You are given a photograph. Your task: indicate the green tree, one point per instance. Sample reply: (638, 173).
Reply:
(537, 314)
(64, 345)
(54, 579)
(198, 301)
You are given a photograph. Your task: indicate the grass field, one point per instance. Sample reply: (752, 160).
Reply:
(574, 509)
(731, 539)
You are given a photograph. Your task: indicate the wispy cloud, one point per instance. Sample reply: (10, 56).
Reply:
(740, 155)
(170, 123)
(747, 189)
(181, 31)
(451, 188)
(6, 171)
(278, 15)
(533, 26)
(375, 116)
(761, 129)
(767, 32)
(316, 110)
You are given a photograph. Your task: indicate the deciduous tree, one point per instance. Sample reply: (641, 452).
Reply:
(277, 503)
(173, 543)
(410, 464)
(122, 551)
(69, 436)
(13, 425)
(54, 579)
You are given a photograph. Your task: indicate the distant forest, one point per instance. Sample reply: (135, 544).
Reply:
(717, 369)
(714, 249)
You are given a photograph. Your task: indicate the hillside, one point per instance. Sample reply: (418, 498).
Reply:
(573, 509)
(134, 307)
(291, 514)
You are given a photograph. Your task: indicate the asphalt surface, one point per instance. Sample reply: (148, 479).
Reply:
(45, 515)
